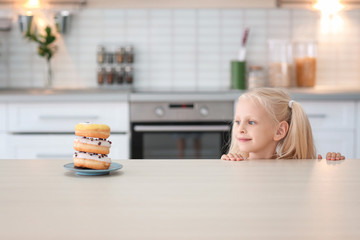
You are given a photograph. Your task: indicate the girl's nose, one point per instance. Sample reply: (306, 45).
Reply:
(242, 129)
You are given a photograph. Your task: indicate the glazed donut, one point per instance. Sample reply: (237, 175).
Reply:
(91, 160)
(92, 145)
(92, 130)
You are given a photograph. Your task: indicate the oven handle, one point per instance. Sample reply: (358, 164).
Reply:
(183, 128)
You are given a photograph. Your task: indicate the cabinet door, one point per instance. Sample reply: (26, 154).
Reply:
(335, 141)
(62, 117)
(358, 131)
(3, 116)
(58, 146)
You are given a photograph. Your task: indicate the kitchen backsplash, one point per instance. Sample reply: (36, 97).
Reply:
(180, 49)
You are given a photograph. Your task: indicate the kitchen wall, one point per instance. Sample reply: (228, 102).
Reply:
(180, 49)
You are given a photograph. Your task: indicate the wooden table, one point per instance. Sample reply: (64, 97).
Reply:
(182, 199)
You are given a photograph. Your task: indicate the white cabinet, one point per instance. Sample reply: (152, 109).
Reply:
(357, 122)
(58, 146)
(62, 117)
(333, 125)
(47, 130)
(3, 116)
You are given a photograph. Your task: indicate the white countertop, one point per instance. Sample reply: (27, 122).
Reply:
(182, 199)
(101, 95)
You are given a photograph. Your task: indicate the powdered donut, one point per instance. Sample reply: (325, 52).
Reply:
(91, 160)
(92, 130)
(92, 145)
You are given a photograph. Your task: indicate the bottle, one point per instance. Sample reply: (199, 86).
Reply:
(305, 63)
(280, 63)
(109, 75)
(119, 73)
(129, 54)
(256, 77)
(129, 74)
(100, 55)
(120, 54)
(100, 75)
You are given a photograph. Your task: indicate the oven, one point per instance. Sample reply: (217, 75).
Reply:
(180, 130)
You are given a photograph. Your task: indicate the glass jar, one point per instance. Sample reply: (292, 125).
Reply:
(100, 75)
(129, 74)
(119, 73)
(100, 55)
(280, 63)
(256, 77)
(129, 54)
(120, 54)
(109, 74)
(305, 63)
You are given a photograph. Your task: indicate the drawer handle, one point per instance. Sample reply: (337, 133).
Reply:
(54, 117)
(316, 116)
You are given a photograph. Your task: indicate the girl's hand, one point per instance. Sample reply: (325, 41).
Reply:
(333, 156)
(234, 156)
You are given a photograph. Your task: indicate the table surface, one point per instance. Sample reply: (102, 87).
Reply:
(182, 199)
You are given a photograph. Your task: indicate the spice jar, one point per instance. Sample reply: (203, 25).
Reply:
(119, 74)
(129, 74)
(280, 63)
(305, 63)
(109, 57)
(100, 55)
(120, 54)
(256, 77)
(109, 75)
(100, 75)
(129, 54)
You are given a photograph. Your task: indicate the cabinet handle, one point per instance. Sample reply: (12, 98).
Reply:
(54, 117)
(183, 128)
(316, 115)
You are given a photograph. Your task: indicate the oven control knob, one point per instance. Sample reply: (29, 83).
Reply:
(159, 111)
(204, 111)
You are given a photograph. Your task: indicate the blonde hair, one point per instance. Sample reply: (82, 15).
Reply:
(298, 142)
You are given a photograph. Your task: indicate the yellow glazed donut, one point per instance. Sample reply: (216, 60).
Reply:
(92, 145)
(92, 130)
(91, 160)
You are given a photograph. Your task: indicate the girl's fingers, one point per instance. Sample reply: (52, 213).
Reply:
(319, 156)
(232, 157)
(333, 156)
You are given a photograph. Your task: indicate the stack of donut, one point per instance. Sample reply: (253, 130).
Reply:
(91, 146)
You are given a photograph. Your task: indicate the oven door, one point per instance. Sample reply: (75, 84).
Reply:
(174, 140)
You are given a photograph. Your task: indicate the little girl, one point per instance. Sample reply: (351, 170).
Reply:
(269, 125)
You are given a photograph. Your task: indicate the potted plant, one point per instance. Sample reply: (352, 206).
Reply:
(46, 48)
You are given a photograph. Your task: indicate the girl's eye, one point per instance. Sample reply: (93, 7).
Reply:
(237, 122)
(252, 122)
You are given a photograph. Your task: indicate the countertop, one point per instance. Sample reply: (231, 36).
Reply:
(102, 95)
(182, 199)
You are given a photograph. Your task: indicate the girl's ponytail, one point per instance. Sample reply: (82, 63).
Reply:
(298, 143)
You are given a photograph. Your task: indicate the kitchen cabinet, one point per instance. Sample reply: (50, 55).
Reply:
(46, 130)
(357, 120)
(3, 111)
(180, 4)
(57, 146)
(333, 125)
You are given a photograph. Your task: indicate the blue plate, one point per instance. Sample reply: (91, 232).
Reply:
(93, 172)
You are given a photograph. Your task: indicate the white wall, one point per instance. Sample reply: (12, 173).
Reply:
(180, 49)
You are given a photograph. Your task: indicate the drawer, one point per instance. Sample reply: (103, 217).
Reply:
(2, 117)
(335, 141)
(58, 146)
(62, 117)
(330, 114)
